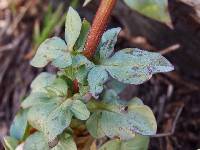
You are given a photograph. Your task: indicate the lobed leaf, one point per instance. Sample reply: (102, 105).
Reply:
(19, 126)
(137, 143)
(72, 28)
(156, 9)
(52, 50)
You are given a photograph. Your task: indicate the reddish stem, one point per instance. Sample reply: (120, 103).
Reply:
(98, 26)
(75, 86)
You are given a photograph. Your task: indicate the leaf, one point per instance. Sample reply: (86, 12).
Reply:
(10, 143)
(80, 43)
(81, 60)
(84, 92)
(52, 50)
(86, 2)
(35, 99)
(110, 96)
(19, 126)
(156, 9)
(120, 120)
(117, 86)
(135, 66)
(51, 118)
(137, 143)
(80, 110)
(108, 41)
(36, 141)
(81, 75)
(93, 126)
(96, 78)
(58, 88)
(81, 67)
(66, 142)
(72, 28)
(41, 81)
(54, 117)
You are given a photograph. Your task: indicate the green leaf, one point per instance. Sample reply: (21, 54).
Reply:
(72, 28)
(80, 110)
(54, 117)
(84, 90)
(156, 9)
(19, 126)
(10, 143)
(93, 125)
(81, 60)
(51, 118)
(81, 66)
(108, 41)
(36, 141)
(137, 143)
(120, 120)
(52, 50)
(136, 66)
(80, 43)
(69, 72)
(96, 78)
(58, 88)
(35, 98)
(81, 75)
(117, 86)
(66, 142)
(41, 81)
(110, 96)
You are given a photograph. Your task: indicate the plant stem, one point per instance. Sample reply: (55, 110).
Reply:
(75, 86)
(98, 27)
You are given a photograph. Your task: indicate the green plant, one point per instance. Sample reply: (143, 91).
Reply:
(78, 95)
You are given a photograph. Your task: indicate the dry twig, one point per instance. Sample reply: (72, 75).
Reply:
(173, 125)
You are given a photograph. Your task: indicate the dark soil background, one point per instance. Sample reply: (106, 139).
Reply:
(174, 97)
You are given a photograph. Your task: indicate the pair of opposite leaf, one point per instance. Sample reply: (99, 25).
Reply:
(155, 9)
(131, 66)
